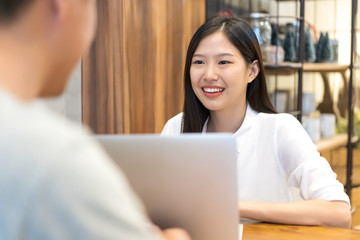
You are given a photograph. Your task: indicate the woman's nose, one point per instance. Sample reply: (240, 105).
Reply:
(211, 73)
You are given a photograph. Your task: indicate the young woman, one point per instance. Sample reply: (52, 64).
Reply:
(282, 178)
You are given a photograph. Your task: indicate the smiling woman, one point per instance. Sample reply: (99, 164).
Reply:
(281, 176)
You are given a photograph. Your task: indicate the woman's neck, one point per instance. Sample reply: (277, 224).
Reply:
(229, 121)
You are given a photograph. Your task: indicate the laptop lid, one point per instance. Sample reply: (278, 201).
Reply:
(186, 181)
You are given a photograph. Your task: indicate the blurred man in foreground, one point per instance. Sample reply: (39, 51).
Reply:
(55, 181)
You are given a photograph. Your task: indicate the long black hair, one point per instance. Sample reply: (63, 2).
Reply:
(241, 35)
(10, 8)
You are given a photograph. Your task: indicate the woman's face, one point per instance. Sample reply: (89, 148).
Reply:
(219, 74)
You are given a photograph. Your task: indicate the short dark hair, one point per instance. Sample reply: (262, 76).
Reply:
(241, 35)
(9, 9)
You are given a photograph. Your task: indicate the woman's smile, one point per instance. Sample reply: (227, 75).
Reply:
(213, 92)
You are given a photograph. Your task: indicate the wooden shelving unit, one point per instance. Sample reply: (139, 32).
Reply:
(344, 106)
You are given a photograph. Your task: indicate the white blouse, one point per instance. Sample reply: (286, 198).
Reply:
(277, 161)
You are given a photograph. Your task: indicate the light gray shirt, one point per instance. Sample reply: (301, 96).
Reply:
(57, 183)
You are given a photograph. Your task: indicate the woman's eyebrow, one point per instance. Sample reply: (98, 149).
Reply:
(218, 55)
(198, 55)
(225, 55)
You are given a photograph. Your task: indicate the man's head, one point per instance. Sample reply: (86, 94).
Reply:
(52, 36)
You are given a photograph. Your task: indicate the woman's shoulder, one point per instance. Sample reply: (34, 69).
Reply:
(284, 127)
(173, 125)
(176, 120)
(278, 118)
(281, 123)
(177, 117)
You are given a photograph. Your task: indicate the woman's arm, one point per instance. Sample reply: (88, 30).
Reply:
(309, 212)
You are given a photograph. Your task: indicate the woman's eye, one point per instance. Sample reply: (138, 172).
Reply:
(198, 62)
(224, 62)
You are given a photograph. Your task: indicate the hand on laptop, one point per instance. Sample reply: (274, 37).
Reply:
(172, 233)
(175, 234)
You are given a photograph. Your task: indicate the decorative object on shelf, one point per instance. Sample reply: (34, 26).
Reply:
(311, 125)
(319, 46)
(291, 41)
(262, 28)
(275, 41)
(323, 48)
(280, 99)
(269, 54)
(308, 103)
(289, 47)
(275, 53)
(335, 50)
(310, 55)
(326, 51)
(327, 121)
(263, 31)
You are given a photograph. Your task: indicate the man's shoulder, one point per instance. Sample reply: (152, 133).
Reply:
(30, 132)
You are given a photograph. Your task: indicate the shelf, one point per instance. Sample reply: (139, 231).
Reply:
(288, 68)
(283, 68)
(325, 67)
(339, 140)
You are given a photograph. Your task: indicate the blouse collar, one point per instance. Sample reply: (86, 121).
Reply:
(248, 120)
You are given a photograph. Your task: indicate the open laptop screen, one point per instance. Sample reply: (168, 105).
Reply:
(186, 181)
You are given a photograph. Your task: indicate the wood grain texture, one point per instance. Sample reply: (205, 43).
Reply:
(133, 74)
(263, 231)
(103, 98)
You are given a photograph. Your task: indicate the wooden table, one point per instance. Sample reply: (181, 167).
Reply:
(266, 231)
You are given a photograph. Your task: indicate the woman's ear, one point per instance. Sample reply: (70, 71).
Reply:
(254, 70)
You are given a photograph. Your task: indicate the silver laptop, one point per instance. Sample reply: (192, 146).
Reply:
(186, 181)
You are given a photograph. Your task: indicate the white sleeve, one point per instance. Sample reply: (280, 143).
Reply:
(304, 166)
(86, 197)
(173, 126)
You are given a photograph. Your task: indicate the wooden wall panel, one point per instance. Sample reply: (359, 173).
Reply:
(133, 74)
(104, 101)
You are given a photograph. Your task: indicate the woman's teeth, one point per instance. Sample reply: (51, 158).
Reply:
(213, 90)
